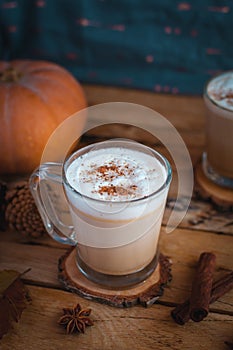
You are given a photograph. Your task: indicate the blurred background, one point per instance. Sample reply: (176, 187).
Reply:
(165, 46)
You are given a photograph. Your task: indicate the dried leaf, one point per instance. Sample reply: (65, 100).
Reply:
(7, 277)
(13, 299)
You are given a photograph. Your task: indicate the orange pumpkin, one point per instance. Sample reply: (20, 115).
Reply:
(35, 97)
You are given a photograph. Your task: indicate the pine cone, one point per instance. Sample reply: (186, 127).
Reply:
(21, 213)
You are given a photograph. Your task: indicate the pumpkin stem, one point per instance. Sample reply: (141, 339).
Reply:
(10, 75)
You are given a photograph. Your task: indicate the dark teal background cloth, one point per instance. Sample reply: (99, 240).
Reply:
(159, 45)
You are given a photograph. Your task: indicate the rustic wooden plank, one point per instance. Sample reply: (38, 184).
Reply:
(41, 260)
(182, 246)
(16, 237)
(184, 113)
(202, 215)
(134, 328)
(192, 138)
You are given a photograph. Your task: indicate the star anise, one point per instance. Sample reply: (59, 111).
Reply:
(75, 319)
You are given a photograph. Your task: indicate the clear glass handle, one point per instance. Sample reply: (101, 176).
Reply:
(46, 188)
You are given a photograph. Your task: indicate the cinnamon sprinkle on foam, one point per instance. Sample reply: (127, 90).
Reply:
(116, 174)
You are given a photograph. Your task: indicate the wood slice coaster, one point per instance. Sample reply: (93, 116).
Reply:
(221, 196)
(144, 293)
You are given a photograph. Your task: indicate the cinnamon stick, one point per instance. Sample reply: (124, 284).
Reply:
(201, 287)
(220, 287)
(181, 313)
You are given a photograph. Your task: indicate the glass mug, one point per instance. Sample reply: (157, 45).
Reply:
(218, 158)
(113, 196)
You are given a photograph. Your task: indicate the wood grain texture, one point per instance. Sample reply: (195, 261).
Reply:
(202, 215)
(182, 246)
(134, 328)
(204, 228)
(186, 114)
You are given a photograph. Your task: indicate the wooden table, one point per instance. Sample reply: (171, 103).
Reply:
(204, 228)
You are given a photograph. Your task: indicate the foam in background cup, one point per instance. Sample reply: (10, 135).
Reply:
(220, 90)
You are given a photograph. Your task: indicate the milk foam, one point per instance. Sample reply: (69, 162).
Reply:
(220, 90)
(116, 174)
(112, 176)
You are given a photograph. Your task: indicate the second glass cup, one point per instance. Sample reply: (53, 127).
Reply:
(218, 158)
